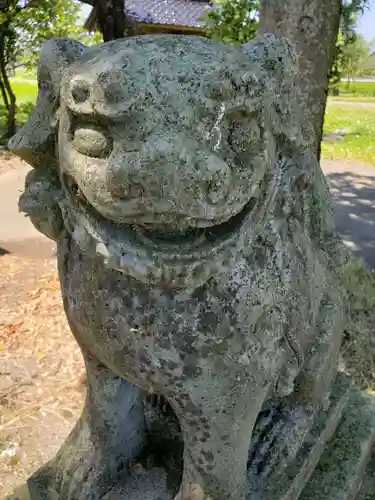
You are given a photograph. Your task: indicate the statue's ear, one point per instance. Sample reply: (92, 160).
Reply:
(277, 61)
(35, 141)
(275, 55)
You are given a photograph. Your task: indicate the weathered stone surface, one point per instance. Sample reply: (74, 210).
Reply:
(197, 255)
(292, 482)
(368, 486)
(342, 467)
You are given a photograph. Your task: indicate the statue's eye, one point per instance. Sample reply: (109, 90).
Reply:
(244, 133)
(92, 142)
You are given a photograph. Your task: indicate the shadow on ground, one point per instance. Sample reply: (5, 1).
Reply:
(354, 203)
(3, 251)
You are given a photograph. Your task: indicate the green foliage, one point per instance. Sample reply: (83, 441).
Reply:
(234, 22)
(336, 71)
(350, 12)
(356, 57)
(23, 111)
(26, 94)
(356, 126)
(354, 92)
(24, 26)
(353, 59)
(47, 19)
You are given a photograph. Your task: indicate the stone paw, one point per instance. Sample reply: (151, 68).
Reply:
(85, 470)
(193, 492)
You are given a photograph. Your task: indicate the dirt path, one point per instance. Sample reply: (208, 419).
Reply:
(17, 235)
(41, 369)
(41, 391)
(353, 192)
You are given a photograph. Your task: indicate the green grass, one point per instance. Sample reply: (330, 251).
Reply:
(26, 94)
(352, 98)
(25, 91)
(356, 91)
(357, 126)
(23, 112)
(26, 75)
(358, 88)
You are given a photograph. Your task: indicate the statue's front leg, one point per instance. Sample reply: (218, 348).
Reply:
(217, 433)
(108, 436)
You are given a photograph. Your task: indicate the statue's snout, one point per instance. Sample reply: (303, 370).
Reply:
(155, 174)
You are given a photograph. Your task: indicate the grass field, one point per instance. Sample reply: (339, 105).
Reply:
(25, 91)
(26, 94)
(352, 98)
(357, 127)
(357, 91)
(27, 75)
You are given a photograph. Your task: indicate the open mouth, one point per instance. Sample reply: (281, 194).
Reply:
(210, 234)
(161, 235)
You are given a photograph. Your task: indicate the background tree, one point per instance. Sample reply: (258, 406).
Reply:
(111, 18)
(350, 11)
(62, 18)
(235, 21)
(355, 58)
(7, 58)
(24, 26)
(336, 71)
(313, 26)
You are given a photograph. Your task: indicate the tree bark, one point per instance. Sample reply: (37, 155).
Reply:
(312, 25)
(7, 93)
(111, 18)
(3, 93)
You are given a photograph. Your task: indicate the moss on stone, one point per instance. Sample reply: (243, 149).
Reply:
(340, 471)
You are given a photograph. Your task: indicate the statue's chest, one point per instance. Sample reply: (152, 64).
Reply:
(231, 321)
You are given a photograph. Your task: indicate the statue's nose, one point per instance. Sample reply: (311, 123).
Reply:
(214, 180)
(127, 177)
(128, 190)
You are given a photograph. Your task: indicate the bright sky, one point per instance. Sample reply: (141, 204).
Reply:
(366, 25)
(86, 9)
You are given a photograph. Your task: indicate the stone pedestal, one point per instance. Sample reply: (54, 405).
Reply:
(368, 486)
(341, 469)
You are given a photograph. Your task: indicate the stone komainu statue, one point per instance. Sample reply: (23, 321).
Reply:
(198, 262)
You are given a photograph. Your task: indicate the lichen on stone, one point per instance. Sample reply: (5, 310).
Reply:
(197, 253)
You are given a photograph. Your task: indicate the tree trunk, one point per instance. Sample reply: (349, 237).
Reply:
(111, 18)
(7, 94)
(4, 94)
(10, 105)
(312, 25)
